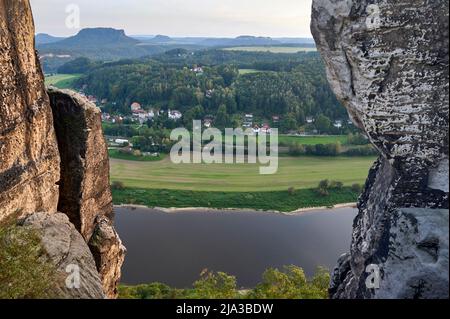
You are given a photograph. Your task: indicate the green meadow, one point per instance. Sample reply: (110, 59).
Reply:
(299, 172)
(62, 81)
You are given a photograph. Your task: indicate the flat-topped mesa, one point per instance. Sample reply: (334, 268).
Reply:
(29, 159)
(387, 61)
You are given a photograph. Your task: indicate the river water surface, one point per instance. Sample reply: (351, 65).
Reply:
(173, 248)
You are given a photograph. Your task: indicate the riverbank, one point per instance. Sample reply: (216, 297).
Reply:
(288, 202)
(174, 210)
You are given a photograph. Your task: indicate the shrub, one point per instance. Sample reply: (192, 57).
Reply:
(323, 192)
(118, 185)
(336, 185)
(357, 188)
(296, 149)
(137, 153)
(215, 286)
(324, 184)
(291, 191)
(289, 283)
(24, 271)
(366, 150)
(292, 283)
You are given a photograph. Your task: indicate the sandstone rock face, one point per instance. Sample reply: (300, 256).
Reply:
(66, 248)
(109, 254)
(29, 159)
(387, 61)
(85, 194)
(84, 187)
(53, 160)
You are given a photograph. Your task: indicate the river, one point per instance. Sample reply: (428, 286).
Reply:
(173, 248)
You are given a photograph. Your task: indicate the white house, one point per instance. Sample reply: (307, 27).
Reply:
(310, 119)
(121, 141)
(266, 129)
(248, 120)
(175, 115)
(337, 124)
(135, 106)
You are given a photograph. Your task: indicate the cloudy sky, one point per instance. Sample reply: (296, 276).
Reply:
(276, 18)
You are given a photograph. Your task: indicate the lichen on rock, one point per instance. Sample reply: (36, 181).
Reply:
(65, 247)
(387, 61)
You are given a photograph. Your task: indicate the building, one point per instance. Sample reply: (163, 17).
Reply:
(175, 115)
(207, 123)
(106, 117)
(310, 119)
(122, 141)
(248, 120)
(337, 124)
(197, 69)
(135, 106)
(266, 129)
(209, 93)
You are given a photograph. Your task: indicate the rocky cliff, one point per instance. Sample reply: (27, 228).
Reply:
(387, 61)
(29, 158)
(53, 157)
(85, 195)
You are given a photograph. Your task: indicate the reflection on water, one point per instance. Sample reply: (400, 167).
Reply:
(175, 248)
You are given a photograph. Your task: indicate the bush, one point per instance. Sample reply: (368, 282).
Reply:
(24, 271)
(296, 149)
(118, 185)
(323, 192)
(357, 139)
(215, 286)
(291, 283)
(137, 153)
(367, 150)
(357, 188)
(336, 185)
(325, 184)
(291, 191)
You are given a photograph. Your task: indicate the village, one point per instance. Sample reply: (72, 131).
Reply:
(136, 134)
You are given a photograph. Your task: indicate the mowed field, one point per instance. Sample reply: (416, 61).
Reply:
(272, 49)
(62, 81)
(299, 172)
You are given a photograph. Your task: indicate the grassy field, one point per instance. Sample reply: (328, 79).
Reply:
(299, 172)
(62, 81)
(248, 71)
(272, 49)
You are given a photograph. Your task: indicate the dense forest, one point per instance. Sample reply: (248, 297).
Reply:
(209, 82)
